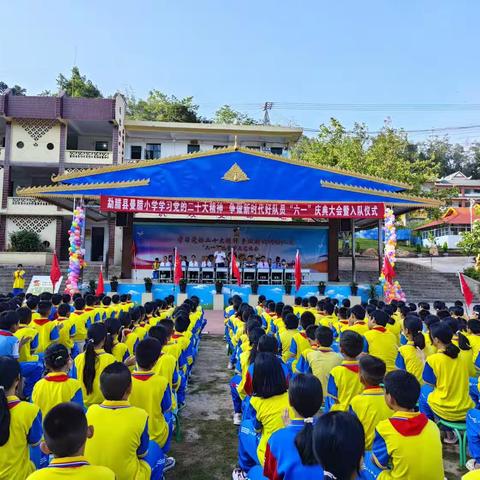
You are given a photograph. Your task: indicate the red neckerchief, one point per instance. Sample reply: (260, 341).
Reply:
(142, 376)
(41, 321)
(409, 427)
(353, 367)
(5, 333)
(56, 378)
(380, 329)
(88, 309)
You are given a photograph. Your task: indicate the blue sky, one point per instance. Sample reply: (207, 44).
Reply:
(250, 51)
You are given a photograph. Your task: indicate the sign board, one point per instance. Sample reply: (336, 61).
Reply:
(42, 283)
(221, 208)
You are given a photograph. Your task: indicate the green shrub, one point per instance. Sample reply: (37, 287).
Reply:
(472, 273)
(26, 241)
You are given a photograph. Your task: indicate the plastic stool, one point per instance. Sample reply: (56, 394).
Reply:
(460, 429)
(178, 433)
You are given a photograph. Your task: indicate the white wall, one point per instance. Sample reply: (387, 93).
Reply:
(46, 227)
(451, 240)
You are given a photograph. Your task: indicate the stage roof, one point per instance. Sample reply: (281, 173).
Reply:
(230, 173)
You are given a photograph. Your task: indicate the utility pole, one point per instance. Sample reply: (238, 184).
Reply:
(266, 117)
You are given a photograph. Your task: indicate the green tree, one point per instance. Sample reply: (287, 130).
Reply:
(161, 107)
(16, 89)
(470, 242)
(78, 85)
(227, 115)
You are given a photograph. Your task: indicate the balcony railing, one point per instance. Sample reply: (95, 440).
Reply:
(88, 156)
(2, 154)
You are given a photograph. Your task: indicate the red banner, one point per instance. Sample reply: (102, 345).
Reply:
(241, 209)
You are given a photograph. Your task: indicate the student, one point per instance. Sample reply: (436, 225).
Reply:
(379, 342)
(411, 356)
(47, 330)
(473, 335)
(90, 364)
(166, 365)
(112, 343)
(121, 439)
(18, 280)
(25, 331)
(369, 406)
(289, 453)
(152, 393)
(155, 267)
(339, 445)
(356, 322)
(320, 359)
(473, 437)
(407, 445)
(285, 335)
(82, 320)
(447, 378)
(299, 341)
(57, 387)
(344, 383)
(66, 326)
(20, 425)
(66, 432)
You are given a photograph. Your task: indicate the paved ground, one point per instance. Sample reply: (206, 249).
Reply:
(215, 319)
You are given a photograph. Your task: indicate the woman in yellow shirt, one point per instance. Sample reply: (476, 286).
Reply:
(18, 280)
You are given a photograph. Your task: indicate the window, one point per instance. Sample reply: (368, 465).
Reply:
(193, 148)
(20, 144)
(253, 147)
(101, 146)
(153, 150)
(216, 147)
(50, 146)
(277, 150)
(135, 152)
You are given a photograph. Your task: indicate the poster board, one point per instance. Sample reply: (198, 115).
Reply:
(42, 283)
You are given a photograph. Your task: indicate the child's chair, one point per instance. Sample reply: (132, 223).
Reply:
(460, 429)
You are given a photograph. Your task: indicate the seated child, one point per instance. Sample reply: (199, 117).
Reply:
(47, 329)
(121, 439)
(299, 341)
(82, 321)
(320, 359)
(379, 342)
(27, 347)
(66, 326)
(20, 424)
(369, 406)
(407, 445)
(357, 322)
(57, 387)
(66, 432)
(339, 445)
(411, 356)
(285, 335)
(343, 320)
(112, 344)
(344, 383)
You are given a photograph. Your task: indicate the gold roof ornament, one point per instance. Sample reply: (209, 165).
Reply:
(235, 174)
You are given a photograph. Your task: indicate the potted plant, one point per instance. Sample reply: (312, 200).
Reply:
(372, 294)
(148, 284)
(218, 287)
(354, 288)
(254, 286)
(183, 286)
(114, 283)
(322, 286)
(445, 248)
(418, 249)
(92, 286)
(288, 287)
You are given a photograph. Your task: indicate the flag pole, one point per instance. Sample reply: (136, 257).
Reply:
(174, 268)
(463, 293)
(231, 272)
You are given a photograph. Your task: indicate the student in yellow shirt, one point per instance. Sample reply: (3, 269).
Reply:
(25, 330)
(112, 344)
(121, 439)
(66, 326)
(66, 432)
(357, 322)
(57, 387)
(408, 444)
(344, 382)
(285, 335)
(116, 306)
(379, 342)
(82, 321)
(369, 406)
(447, 378)
(152, 393)
(411, 356)
(18, 280)
(20, 425)
(166, 365)
(320, 359)
(299, 341)
(90, 364)
(473, 335)
(343, 314)
(47, 330)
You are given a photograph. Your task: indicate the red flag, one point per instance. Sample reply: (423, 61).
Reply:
(55, 272)
(467, 293)
(234, 268)
(388, 270)
(100, 285)
(298, 271)
(177, 270)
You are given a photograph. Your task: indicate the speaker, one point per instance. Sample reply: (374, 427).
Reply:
(121, 219)
(345, 225)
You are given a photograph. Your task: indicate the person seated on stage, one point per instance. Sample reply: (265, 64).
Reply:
(206, 263)
(250, 262)
(184, 261)
(193, 262)
(284, 263)
(165, 263)
(220, 257)
(277, 263)
(155, 267)
(263, 263)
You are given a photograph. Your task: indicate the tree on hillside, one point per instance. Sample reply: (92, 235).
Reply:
(16, 89)
(78, 85)
(228, 115)
(160, 107)
(387, 155)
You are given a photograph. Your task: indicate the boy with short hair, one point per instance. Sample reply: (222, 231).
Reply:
(82, 321)
(380, 342)
(408, 444)
(68, 329)
(65, 432)
(356, 322)
(344, 383)
(299, 341)
(47, 330)
(121, 441)
(370, 406)
(285, 335)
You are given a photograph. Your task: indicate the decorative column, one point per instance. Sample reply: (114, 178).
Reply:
(6, 186)
(333, 229)
(380, 245)
(354, 260)
(127, 247)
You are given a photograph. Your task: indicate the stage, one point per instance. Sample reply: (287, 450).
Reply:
(207, 291)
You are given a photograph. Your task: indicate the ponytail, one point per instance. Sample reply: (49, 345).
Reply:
(463, 342)
(451, 351)
(413, 325)
(56, 356)
(97, 334)
(442, 332)
(108, 346)
(9, 372)
(254, 337)
(304, 443)
(419, 340)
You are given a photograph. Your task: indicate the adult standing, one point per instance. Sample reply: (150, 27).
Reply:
(220, 257)
(18, 280)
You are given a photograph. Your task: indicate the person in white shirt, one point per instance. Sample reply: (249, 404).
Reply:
(206, 263)
(165, 263)
(193, 262)
(263, 263)
(219, 256)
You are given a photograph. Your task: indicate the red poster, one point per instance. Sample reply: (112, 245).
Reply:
(221, 209)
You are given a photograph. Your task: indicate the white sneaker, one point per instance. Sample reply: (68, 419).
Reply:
(230, 366)
(237, 418)
(169, 464)
(239, 474)
(472, 465)
(450, 438)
